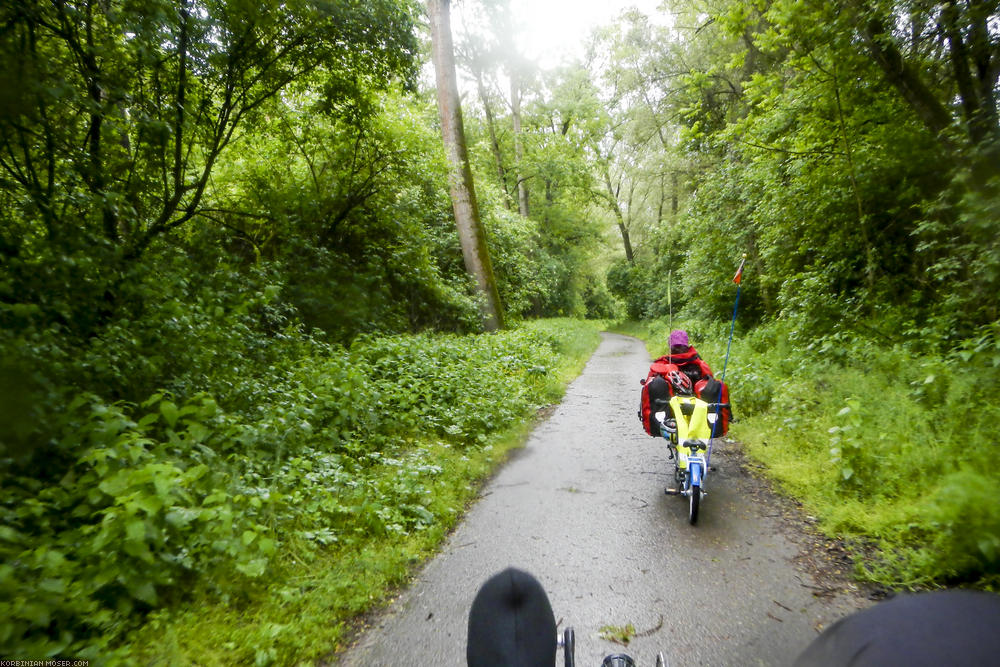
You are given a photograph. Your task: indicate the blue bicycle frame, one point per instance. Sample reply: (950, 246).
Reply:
(690, 465)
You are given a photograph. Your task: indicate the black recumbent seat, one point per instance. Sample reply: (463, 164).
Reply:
(511, 623)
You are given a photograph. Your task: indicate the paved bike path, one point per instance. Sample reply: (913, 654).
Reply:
(582, 507)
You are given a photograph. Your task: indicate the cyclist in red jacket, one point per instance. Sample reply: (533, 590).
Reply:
(700, 380)
(683, 354)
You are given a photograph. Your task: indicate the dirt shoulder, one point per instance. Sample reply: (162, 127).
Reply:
(828, 562)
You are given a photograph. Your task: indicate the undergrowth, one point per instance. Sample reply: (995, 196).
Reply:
(252, 526)
(893, 450)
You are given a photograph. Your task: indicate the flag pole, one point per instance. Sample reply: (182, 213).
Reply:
(670, 310)
(738, 279)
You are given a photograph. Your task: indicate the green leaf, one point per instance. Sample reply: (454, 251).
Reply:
(253, 568)
(266, 546)
(8, 534)
(57, 586)
(147, 420)
(53, 559)
(135, 531)
(170, 412)
(195, 473)
(149, 504)
(197, 432)
(182, 516)
(989, 547)
(144, 591)
(116, 485)
(215, 498)
(164, 478)
(152, 400)
(35, 613)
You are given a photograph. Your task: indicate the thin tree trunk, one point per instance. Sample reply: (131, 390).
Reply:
(852, 172)
(494, 142)
(904, 78)
(673, 195)
(659, 203)
(515, 103)
(463, 193)
(620, 217)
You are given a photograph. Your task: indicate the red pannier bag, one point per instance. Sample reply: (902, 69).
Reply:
(654, 386)
(711, 390)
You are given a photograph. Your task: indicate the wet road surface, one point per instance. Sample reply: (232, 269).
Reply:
(582, 507)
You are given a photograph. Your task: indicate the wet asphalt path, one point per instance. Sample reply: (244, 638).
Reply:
(582, 507)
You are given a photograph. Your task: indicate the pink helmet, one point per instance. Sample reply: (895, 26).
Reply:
(679, 337)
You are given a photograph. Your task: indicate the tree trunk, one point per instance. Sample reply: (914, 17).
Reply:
(515, 104)
(673, 195)
(904, 78)
(463, 193)
(494, 142)
(974, 71)
(620, 218)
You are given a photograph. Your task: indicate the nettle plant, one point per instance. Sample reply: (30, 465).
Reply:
(142, 511)
(144, 503)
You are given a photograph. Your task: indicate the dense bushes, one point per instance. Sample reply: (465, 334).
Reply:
(208, 357)
(153, 499)
(890, 448)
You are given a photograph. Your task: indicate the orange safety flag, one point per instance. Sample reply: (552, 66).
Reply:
(739, 272)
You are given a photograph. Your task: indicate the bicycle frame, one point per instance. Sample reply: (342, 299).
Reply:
(695, 476)
(689, 436)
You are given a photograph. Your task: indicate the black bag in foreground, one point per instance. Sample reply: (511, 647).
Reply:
(952, 627)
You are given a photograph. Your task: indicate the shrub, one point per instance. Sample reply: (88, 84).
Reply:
(328, 448)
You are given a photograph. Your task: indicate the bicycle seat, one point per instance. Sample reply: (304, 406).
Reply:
(511, 623)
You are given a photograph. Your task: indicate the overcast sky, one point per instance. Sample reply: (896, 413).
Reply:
(554, 30)
(557, 28)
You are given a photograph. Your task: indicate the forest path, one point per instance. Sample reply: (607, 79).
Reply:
(582, 507)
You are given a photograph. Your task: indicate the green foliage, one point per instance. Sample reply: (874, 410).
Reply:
(150, 492)
(634, 286)
(335, 449)
(847, 190)
(958, 238)
(548, 263)
(888, 448)
(618, 634)
(852, 451)
(138, 100)
(353, 205)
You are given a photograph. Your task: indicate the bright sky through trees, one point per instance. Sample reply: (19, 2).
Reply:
(554, 30)
(558, 29)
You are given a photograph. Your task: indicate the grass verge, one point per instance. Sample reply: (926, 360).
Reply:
(892, 451)
(315, 599)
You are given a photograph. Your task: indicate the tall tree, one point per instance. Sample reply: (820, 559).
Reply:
(515, 111)
(461, 186)
(491, 126)
(115, 115)
(118, 111)
(962, 37)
